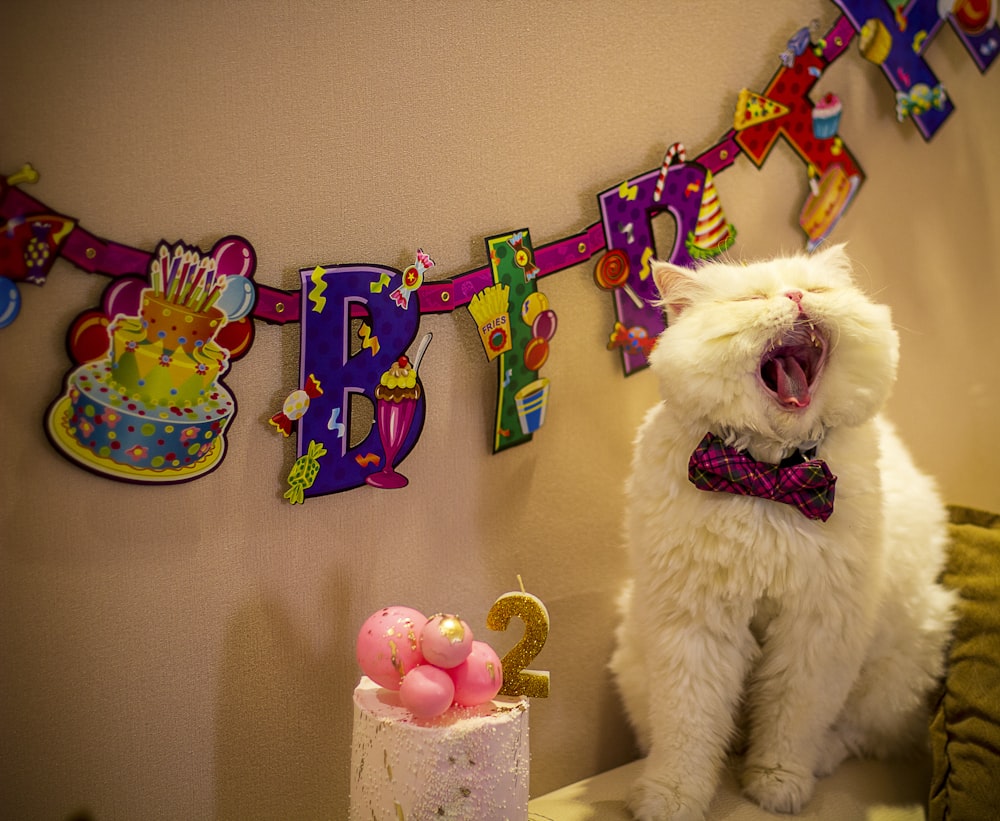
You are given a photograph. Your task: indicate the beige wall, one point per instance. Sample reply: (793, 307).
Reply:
(186, 652)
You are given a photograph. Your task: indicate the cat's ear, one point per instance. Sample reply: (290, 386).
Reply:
(834, 258)
(676, 286)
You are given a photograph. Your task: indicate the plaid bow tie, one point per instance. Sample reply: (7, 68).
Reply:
(808, 485)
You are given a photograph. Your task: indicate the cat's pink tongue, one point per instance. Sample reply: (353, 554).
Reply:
(792, 384)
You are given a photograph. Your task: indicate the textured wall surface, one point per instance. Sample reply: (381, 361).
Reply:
(187, 652)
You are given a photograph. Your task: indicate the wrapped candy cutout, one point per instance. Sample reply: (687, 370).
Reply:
(304, 472)
(29, 246)
(635, 339)
(413, 278)
(296, 404)
(920, 99)
(524, 256)
(797, 45)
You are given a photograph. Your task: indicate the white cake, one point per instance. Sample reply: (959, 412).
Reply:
(469, 763)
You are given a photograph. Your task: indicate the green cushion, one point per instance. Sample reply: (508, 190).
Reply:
(965, 726)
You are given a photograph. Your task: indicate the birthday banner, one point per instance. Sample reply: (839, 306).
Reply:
(145, 399)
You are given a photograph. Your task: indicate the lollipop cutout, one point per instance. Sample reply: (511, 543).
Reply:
(612, 272)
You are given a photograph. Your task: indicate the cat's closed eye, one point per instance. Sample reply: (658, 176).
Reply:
(815, 289)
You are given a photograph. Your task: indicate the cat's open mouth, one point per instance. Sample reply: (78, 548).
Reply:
(790, 368)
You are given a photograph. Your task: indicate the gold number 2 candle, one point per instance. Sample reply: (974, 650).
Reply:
(518, 681)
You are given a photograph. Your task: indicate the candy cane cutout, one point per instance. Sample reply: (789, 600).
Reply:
(675, 153)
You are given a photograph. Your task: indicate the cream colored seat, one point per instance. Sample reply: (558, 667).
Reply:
(857, 791)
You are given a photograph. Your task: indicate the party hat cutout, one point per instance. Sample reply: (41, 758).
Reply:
(712, 235)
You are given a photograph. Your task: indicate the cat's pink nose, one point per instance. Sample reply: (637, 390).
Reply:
(795, 296)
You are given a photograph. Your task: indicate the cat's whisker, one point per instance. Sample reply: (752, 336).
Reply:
(909, 330)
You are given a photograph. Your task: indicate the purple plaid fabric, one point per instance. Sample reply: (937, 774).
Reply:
(807, 485)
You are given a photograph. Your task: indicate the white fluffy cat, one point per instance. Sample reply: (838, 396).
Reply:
(817, 639)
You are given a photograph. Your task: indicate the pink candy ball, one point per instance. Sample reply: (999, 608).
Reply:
(427, 691)
(446, 640)
(479, 678)
(389, 644)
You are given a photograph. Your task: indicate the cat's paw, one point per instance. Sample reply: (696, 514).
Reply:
(653, 801)
(778, 789)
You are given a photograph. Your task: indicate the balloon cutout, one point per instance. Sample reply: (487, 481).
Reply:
(10, 302)
(236, 336)
(123, 296)
(88, 337)
(234, 257)
(237, 298)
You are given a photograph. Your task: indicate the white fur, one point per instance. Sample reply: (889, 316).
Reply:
(819, 640)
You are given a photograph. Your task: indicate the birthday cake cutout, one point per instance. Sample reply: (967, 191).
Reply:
(153, 408)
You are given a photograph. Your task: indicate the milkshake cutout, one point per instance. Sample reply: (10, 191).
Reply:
(396, 402)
